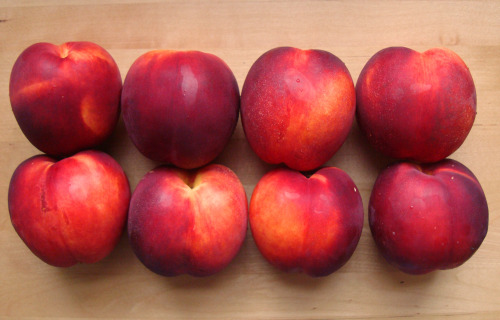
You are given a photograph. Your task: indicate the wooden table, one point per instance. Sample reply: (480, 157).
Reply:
(119, 287)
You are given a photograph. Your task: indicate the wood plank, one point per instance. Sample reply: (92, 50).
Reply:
(119, 287)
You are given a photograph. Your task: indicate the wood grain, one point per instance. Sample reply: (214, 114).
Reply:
(119, 287)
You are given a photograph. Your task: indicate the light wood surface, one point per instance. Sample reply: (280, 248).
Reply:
(119, 287)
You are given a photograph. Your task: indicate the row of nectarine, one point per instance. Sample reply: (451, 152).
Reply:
(297, 108)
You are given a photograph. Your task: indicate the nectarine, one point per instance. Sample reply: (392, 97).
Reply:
(190, 222)
(416, 106)
(427, 217)
(297, 107)
(65, 98)
(307, 224)
(180, 107)
(72, 210)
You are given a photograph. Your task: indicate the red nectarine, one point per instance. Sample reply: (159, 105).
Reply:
(180, 107)
(297, 107)
(417, 106)
(428, 217)
(72, 210)
(308, 224)
(65, 98)
(190, 222)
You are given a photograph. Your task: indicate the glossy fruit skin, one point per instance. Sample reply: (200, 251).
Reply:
(65, 98)
(188, 222)
(415, 106)
(69, 211)
(311, 225)
(180, 107)
(297, 107)
(427, 217)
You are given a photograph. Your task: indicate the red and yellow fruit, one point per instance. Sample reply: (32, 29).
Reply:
(65, 98)
(417, 106)
(180, 107)
(307, 224)
(297, 107)
(428, 217)
(188, 222)
(72, 210)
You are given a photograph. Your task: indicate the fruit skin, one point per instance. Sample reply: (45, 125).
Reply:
(65, 98)
(188, 222)
(72, 210)
(297, 107)
(415, 106)
(306, 224)
(180, 107)
(427, 217)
